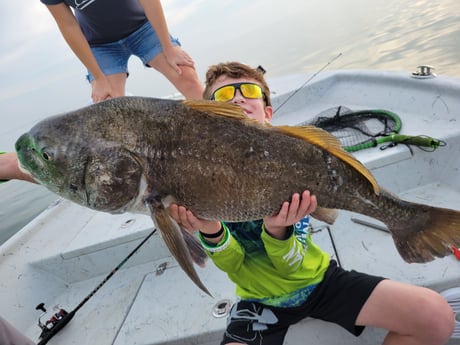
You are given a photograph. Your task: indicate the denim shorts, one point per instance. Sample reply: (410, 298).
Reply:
(113, 57)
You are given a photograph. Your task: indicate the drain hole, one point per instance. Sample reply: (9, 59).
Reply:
(128, 223)
(161, 268)
(222, 308)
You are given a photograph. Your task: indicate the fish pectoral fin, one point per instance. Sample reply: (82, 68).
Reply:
(195, 248)
(327, 215)
(326, 141)
(174, 239)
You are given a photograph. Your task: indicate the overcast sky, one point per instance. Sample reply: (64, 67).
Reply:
(40, 76)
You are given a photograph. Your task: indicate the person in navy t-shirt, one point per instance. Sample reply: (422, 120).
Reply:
(103, 34)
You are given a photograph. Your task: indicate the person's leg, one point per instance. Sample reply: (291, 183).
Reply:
(118, 83)
(252, 323)
(145, 44)
(187, 83)
(112, 58)
(353, 300)
(9, 335)
(411, 314)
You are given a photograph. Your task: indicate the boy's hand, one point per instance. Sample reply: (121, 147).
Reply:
(290, 213)
(187, 220)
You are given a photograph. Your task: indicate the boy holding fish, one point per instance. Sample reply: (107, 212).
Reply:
(282, 277)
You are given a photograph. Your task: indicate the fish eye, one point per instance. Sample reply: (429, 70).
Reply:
(47, 156)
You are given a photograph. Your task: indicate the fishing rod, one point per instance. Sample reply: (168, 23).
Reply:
(309, 79)
(62, 317)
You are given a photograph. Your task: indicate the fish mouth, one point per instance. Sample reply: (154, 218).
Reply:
(24, 151)
(29, 157)
(21, 151)
(24, 170)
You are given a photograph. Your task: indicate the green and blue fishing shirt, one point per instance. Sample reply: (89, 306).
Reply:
(274, 272)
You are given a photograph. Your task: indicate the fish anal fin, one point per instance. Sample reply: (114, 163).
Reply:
(327, 215)
(326, 141)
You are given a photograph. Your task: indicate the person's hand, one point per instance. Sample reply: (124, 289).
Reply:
(9, 168)
(177, 57)
(187, 220)
(290, 213)
(101, 89)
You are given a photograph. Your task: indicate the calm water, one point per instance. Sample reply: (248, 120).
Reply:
(391, 35)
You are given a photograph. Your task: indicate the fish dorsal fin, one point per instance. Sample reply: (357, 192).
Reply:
(218, 108)
(311, 134)
(331, 144)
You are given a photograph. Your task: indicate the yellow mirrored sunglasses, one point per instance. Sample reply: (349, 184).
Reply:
(227, 92)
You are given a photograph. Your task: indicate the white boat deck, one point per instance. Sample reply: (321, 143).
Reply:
(62, 255)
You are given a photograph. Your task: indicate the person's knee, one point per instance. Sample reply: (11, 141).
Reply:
(189, 84)
(445, 323)
(190, 74)
(439, 318)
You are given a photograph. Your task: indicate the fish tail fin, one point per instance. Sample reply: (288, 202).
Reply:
(195, 248)
(434, 238)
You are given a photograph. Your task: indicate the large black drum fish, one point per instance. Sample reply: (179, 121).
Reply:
(140, 154)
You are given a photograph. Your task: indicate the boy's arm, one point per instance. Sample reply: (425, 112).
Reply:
(285, 250)
(221, 247)
(286, 254)
(227, 254)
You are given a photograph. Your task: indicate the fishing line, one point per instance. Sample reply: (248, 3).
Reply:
(309, 79)
(47, 334)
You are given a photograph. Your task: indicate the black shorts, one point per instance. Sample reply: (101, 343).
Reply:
(338, 298)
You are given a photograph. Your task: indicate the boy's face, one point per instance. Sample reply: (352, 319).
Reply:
(254, 108)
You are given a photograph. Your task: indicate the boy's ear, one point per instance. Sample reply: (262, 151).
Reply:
(268, 113)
